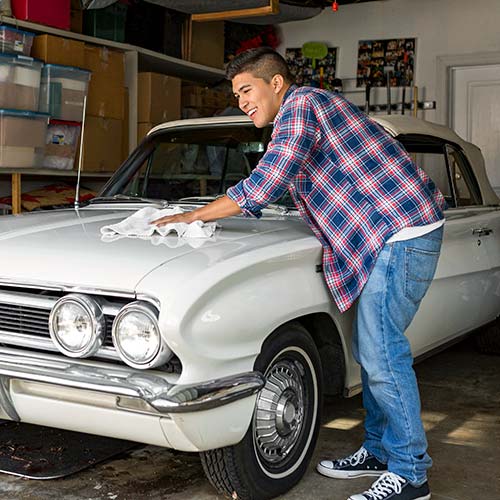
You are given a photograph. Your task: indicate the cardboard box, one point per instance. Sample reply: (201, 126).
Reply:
(102, 151)
(159, 98)
(105, 64)
(207, 44)
(56, 50)
(106, 99)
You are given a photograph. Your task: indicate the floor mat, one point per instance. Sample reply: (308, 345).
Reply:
(38, 452)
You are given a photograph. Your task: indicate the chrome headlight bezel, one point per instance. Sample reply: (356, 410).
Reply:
(98, 321)
(162, 352)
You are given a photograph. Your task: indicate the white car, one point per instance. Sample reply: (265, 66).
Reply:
(225, 345)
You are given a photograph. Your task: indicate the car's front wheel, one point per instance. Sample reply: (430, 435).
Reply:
(275, 452)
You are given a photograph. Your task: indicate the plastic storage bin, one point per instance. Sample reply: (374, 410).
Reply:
(19, 82)
(15, 41)
(108, 23)
(49, 12)
(22, 138)
(61, 144)
(62, 91)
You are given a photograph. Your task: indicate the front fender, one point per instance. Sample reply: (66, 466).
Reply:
(216, 319)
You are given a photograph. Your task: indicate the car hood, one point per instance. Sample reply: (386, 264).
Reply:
(65, 247)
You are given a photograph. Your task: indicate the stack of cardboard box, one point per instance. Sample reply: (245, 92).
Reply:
(206, 101)
(104, 147)
(159, 100)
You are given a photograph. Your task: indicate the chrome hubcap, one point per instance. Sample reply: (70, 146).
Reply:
(279, 412)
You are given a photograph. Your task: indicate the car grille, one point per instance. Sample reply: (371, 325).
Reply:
(24, 321)
(34, 322)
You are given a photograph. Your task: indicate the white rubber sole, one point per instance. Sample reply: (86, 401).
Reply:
(355, 497)
(426, 497)
(342, 474)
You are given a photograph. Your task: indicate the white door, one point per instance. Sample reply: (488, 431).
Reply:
(475, 116)
(475, 112)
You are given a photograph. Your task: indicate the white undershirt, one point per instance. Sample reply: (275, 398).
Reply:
(409, 233)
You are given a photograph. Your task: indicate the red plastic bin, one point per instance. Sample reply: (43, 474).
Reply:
(54, 13)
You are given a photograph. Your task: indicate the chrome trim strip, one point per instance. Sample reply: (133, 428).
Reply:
(46, 344)
(162, 396)
(66, 288)
(27, 299)
(6, 405)
(46, 303)
(77, 289)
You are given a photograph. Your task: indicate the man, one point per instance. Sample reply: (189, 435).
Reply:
(379, 219)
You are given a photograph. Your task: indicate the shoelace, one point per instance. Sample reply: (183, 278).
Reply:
(385, 485)
(355, 459)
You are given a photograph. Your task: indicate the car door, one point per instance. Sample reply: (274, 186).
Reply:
(455, 302)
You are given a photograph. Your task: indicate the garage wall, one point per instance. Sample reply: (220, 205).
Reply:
(442, 27)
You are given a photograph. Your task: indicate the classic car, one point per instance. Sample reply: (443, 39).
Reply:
(225, 345)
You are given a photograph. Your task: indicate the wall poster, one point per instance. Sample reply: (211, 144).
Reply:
(313, 72)
(397, 54)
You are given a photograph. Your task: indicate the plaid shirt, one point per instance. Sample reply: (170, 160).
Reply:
(353, 184)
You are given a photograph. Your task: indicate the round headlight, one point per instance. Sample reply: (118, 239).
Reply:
(137, 338)
(77, 325)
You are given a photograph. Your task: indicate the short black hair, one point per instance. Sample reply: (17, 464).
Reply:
(262, 62)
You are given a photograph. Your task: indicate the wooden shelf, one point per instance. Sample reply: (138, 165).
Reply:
(148, 60)
(16, 173)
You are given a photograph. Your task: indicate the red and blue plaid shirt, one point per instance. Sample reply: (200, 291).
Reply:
(354, 184)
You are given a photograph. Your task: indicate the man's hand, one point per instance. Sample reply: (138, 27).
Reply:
(218, 209)
(186, 217)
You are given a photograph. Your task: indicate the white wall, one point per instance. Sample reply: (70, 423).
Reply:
(442, 27)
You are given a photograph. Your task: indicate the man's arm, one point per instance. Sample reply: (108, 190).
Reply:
(218, 209)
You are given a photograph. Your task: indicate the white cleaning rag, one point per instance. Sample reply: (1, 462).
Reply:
(139, 225)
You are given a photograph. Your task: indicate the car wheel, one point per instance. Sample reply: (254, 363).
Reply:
(275, 452)
(488, 338)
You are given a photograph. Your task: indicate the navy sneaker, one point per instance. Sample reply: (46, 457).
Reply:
(390, 486)
(359, 464)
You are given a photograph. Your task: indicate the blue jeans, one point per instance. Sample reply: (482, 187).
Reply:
(394, 433)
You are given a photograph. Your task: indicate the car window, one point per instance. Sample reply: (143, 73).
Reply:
(447, 166)
(196, 163)
(434, 164)
(463, 184)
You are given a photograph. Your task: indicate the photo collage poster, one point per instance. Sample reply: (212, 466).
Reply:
(375, 55)
(321, 74)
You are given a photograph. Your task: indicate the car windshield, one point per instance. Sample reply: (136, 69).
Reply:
(191, 164)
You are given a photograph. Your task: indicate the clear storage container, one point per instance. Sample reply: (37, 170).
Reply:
(19, 82)
(62, 91)
(61, 144)
(15, 41)
(22, 138)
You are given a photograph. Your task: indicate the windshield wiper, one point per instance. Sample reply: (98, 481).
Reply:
(200, 198)
(125, 197)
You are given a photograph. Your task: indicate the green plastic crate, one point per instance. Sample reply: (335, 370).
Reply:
(108, 23)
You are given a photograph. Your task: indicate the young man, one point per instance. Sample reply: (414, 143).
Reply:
(379, 219)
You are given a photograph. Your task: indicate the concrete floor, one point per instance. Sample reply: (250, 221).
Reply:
(461, 411)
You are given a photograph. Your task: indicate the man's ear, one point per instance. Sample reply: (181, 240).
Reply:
(277, 82)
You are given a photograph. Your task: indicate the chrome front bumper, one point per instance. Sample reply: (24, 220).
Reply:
(153, 393)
